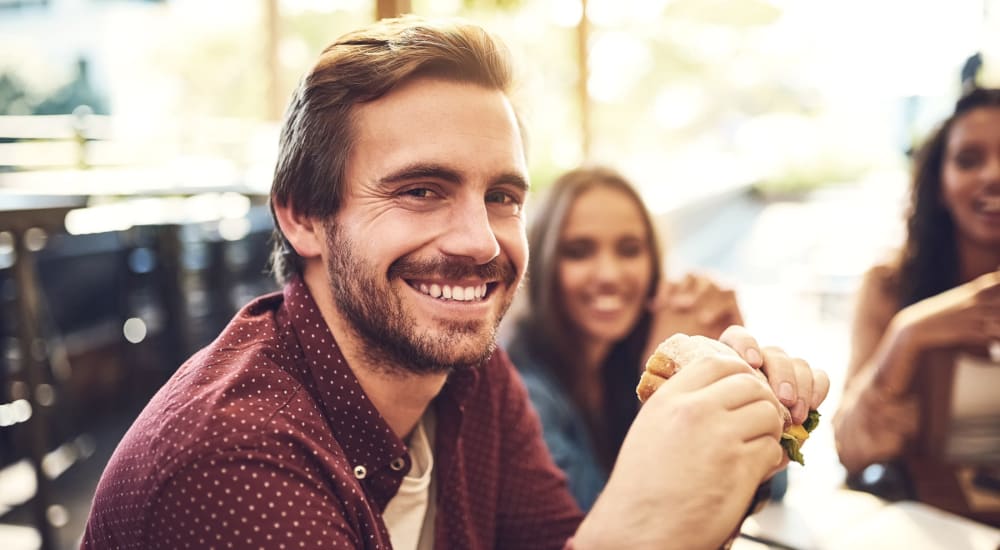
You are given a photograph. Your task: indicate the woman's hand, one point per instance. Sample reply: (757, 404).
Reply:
(693, 305)
(967, 315)
(872, 425)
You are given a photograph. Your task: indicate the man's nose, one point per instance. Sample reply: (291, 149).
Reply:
(470, 235)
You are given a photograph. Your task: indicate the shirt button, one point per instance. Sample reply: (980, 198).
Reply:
(360, 472)
(397, 464)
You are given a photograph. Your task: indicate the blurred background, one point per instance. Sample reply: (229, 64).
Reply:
(137, 142)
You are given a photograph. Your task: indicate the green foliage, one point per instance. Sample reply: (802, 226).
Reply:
(811, 421)
(799, 180)
(792, 447)
(18, 98)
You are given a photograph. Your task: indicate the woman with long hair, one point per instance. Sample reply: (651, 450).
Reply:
(920, 380)
(597, 307)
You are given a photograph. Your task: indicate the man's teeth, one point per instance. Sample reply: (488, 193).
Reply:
(454, 292)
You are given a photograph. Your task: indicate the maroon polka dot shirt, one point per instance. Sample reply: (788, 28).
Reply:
(265, 439)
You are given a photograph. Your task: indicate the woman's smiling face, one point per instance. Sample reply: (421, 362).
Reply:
(605, 264)
(970, 176)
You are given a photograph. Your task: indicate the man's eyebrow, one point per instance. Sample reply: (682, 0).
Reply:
(421, 171)
(440, 172)
(513, 178)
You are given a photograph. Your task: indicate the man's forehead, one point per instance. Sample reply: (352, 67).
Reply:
(432, 125)
(425, 94)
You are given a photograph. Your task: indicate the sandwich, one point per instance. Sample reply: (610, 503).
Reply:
(680, 350)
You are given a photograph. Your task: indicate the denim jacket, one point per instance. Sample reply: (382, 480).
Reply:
(563, 427)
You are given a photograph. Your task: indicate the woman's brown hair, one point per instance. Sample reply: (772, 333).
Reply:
(547, 330)
(929, 258)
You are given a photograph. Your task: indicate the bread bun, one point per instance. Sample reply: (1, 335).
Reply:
(680, 350)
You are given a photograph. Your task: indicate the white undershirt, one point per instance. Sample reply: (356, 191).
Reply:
(409, 516)
(974, 435)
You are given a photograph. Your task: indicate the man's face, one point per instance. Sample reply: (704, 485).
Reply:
(428, 248)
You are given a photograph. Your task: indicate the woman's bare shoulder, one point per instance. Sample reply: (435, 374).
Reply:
(882, 278)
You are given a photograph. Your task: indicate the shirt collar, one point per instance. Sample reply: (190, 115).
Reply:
(375, 455)
(362, 432)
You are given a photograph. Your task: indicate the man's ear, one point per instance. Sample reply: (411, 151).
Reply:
(305, 234)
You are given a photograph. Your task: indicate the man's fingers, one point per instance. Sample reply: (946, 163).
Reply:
(706, 371)
(758, 419)
(797, 385)
(740, 340)
(821, 387)
(803, 389)
(738, 390)
(781, 374)
(762, 427)
(793, 381)
(771, 456)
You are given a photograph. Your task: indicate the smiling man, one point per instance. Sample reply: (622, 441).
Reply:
(366, 405)
(426, 251)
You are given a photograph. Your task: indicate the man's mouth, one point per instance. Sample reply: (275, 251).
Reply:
(455, 293)
(454, 281)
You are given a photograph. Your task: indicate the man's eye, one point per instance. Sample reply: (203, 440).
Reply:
(501, 197)
(419, 192)
(508, 201)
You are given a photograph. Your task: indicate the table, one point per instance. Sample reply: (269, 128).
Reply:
(949, 489)
(843, 519)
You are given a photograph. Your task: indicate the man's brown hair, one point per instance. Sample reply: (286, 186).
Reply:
(362, 66)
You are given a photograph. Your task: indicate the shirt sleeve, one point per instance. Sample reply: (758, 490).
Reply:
(567, 440)
(536, 509)
(247, 499)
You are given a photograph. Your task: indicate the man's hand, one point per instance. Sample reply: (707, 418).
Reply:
(691, 462)
(798, 387)
(698, 450)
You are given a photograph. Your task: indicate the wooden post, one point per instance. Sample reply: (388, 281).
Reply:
(30, 347)
(392, 8)
(583, 97)
(272, 32)
(19, 220)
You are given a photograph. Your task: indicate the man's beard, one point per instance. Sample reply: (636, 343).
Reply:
(389, 334)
